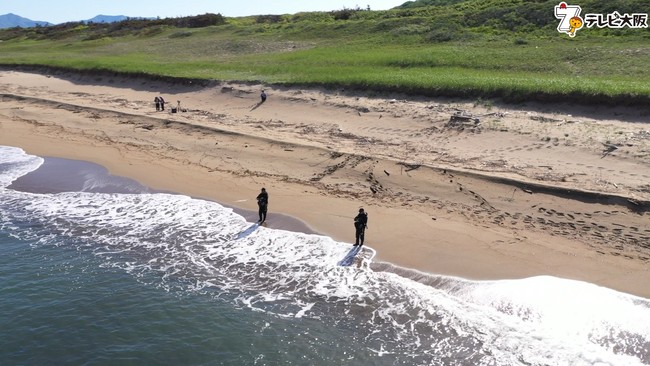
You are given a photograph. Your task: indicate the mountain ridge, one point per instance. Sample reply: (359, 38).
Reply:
(11, 20)
(101, 18)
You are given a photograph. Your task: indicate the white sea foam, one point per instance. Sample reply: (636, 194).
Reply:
(14, 163)
(183, 244)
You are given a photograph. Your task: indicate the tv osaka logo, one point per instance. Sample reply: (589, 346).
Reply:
(571, 21)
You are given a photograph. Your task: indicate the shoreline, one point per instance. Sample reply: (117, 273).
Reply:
(58, 175)
(421, 218)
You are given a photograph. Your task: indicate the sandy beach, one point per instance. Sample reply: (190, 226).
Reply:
(472, 189)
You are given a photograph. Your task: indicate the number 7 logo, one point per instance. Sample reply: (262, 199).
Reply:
(569, 16)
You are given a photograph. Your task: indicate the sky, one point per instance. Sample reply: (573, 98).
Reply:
(74, 10)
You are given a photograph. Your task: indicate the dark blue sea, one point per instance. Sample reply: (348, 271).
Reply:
(98, 270)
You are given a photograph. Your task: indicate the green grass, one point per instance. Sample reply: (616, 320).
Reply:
(375, 51)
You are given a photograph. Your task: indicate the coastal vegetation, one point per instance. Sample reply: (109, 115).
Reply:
(509, 50)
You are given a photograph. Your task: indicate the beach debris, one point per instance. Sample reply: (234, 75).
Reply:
(495, 114)
(409, 167)
(461, 120)
(463, 117)
(608, 149)
(387, 173)
(375, 186)
(512, 198)
(545, 119)
(362, 110)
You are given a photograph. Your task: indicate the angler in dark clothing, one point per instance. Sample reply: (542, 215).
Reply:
(360, 224)
(156, 100)
(263, 96)
(263, 203)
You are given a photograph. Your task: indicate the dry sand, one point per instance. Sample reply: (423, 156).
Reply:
(511, 192)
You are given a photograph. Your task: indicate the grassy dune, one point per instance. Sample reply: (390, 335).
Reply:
(450, 50)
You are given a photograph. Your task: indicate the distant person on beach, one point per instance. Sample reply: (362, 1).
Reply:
(360, 224)
(162, 103)
(263, 204)
(263, 96)
(156, 100)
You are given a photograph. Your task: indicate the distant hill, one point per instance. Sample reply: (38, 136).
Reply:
(13, 20)
(106, 19)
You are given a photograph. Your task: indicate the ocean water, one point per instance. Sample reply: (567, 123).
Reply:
(111, 273)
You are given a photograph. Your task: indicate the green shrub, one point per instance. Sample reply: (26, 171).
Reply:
(268, 19)
(312, 17)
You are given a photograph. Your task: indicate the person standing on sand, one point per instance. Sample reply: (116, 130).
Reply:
(263, 96)
(263, 204)
(162, 103)
(156, 100)
(360, 224)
